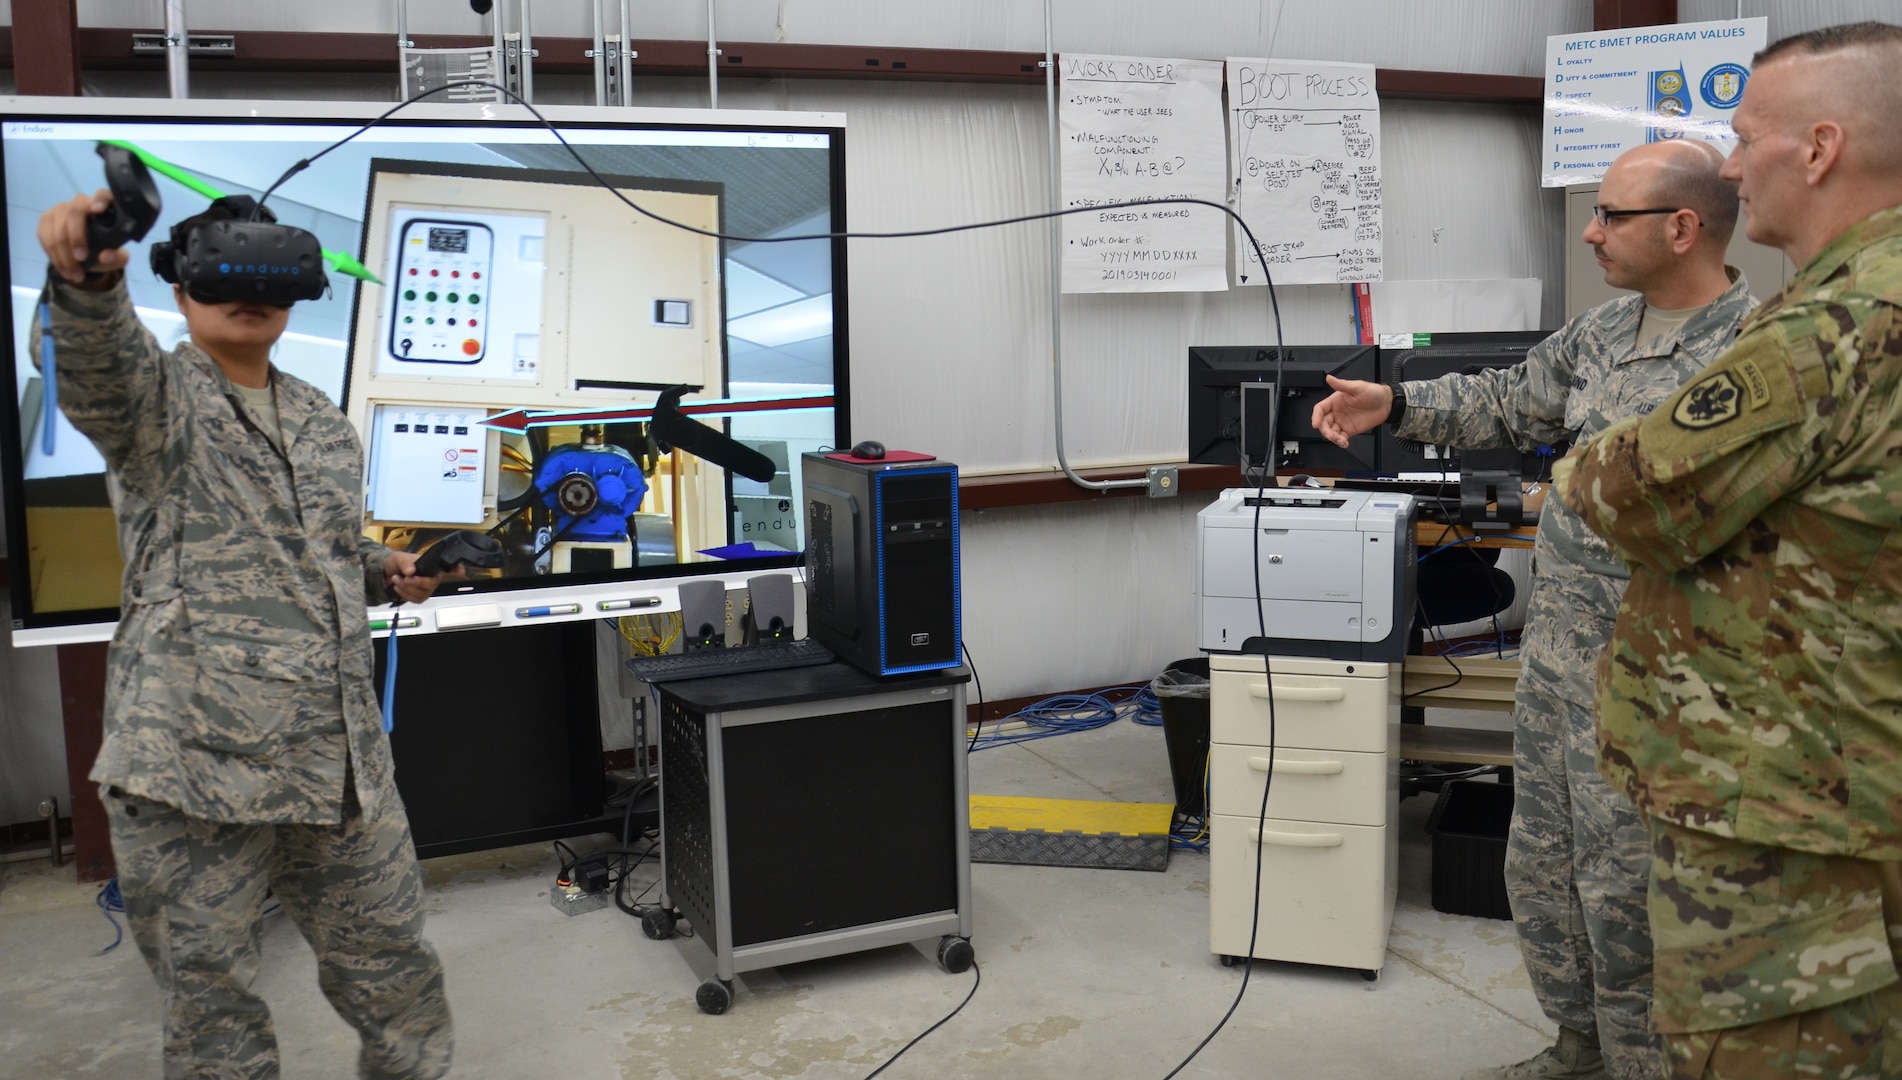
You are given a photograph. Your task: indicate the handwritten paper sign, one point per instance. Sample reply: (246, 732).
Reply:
(1611, 90)
(1135, 128)
(1305, 139)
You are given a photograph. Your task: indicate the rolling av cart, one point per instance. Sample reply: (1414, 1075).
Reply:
(811, 812)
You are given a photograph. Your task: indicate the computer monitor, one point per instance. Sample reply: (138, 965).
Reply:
(1463, 354)
(499, 327)
(1233, 392)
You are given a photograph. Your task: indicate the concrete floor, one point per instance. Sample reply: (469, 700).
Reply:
(1098, 973)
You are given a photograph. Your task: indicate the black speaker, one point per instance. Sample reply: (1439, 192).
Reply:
(702, 615)
(882, 588)
(769, 608)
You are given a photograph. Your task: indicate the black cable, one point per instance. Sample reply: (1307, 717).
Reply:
(979, 726)
(977, 977)
(1267, 277)
(1457, 673)
(1268, 673)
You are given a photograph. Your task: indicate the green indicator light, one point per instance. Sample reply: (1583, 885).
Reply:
(453, 298)
(409, 318)
(431, 321)
(409, 294)
(474, 299)
(430, 296)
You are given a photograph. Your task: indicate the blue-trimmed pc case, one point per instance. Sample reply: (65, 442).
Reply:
(882, 588)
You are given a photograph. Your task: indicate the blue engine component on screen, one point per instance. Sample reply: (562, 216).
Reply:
(592, 488)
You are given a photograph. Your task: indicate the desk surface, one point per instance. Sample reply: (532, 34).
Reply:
(793, 686)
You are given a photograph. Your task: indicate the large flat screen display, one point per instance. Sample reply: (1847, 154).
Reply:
(499, 327)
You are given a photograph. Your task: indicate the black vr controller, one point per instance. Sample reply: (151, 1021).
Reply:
(464, 547)
(135, 204)
(245, 255)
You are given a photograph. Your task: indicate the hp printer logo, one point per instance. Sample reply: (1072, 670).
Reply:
(921, 639)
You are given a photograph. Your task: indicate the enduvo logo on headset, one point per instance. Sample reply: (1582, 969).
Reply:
(282, 264)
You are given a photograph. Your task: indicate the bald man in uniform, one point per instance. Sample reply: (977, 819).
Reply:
(1576, 853)
(1751, 697)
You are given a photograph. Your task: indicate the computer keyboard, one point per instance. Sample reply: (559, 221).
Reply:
(739, 660)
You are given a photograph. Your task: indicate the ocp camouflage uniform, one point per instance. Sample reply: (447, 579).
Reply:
(243, 742)
(1576, 852)
(1751, 699)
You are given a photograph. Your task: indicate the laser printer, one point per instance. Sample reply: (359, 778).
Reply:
(1333, 571)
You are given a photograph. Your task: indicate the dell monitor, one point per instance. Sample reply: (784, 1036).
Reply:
(1233, 392)
(1471, 354)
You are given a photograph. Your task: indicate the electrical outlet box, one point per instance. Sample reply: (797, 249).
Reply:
(1164, 481)
(573, 900)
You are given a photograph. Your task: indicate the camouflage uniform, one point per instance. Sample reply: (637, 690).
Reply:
(1576, 852)
(1751, 699)
(241, 729)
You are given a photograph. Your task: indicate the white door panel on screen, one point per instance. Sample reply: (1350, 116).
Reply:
(429, 466)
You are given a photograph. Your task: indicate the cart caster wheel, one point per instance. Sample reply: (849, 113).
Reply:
(1370, 976)
(1230, 961)
(658, 924)
(954, 954)
(714, 996)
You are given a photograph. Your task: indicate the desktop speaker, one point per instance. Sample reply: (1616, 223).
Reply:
(882, 587)
(702, 615)
(769, 608)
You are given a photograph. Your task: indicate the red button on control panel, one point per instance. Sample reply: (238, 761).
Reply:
(471, 346)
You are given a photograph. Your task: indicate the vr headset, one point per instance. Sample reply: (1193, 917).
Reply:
(238, 251)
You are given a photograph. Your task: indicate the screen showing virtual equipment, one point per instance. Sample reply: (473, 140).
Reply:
(609, 396)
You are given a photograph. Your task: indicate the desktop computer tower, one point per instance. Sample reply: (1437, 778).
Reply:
(882, 586)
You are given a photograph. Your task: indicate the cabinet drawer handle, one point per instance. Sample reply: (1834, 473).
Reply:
(1298, 693)
(1297, 768)
(1295, 839)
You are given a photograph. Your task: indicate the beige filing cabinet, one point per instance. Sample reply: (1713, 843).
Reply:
(1328, 848)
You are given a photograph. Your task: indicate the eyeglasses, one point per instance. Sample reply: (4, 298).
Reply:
(1604, 216)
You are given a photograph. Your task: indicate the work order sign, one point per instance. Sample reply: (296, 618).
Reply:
(1611, 90)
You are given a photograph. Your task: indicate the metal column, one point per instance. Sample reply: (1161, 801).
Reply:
(177, 49)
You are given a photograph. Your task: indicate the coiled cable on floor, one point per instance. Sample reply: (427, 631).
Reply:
(111, 902)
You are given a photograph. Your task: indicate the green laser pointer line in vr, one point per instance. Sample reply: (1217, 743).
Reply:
(341, 261)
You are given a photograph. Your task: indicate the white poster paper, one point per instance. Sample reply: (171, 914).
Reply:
(1305, 139)
(1445, 307)
(1137, 128)
(1611, 90)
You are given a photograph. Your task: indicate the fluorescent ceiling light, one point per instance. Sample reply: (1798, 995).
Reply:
(800, 320)
(748, 290)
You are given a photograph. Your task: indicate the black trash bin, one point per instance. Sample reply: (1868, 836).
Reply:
(1185, 728)
(1469, 825)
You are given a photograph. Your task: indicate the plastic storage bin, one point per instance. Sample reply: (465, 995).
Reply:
(1468, 826)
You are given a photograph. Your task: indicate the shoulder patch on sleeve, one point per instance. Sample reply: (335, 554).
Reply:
(1754, 389)
(1712, 400)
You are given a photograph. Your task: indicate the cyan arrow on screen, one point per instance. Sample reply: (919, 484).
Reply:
(344, 263)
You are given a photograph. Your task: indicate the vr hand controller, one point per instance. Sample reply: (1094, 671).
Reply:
(134, 207)
(464, 547)
(135, 204)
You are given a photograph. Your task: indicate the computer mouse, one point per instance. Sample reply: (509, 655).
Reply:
(870, 448)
